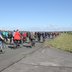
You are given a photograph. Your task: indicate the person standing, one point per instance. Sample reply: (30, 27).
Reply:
(10, 36)
(1, 42)
(24, 36)
(17, 38)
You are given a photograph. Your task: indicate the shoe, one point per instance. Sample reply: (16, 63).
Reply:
(1, 51)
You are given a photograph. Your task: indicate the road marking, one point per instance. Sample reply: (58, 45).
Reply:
(49, 64)
(44, 64)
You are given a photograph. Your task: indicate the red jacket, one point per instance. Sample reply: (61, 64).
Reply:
(17, 36)
(24, 34)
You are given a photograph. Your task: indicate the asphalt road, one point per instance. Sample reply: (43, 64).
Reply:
(44, 60)
(12, 56)
(37, 59)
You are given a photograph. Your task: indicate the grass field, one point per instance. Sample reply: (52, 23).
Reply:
(64, 42)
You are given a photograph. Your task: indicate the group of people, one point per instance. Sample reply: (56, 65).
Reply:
(17, 37)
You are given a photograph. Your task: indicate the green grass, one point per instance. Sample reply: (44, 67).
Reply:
(64, 42)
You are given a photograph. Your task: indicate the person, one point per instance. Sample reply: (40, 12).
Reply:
(33, 38)
(1, 42)
(13, 33)
(48, 35)
(17, 38)
(24, 36)
(36, 37)
(43, 36)
(10, 36)
(39, 35)
(5, 35)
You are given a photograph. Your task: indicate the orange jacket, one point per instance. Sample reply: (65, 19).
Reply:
(17, 36)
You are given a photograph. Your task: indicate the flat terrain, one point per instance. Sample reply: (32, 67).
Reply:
(40, 59)
(12, 56)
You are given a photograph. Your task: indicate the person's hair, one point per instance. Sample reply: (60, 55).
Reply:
(17, 30)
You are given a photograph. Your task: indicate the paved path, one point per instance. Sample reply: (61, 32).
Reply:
(44, 60)
(12, 56)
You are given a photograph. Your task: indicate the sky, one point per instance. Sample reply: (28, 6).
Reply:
(36, 15)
